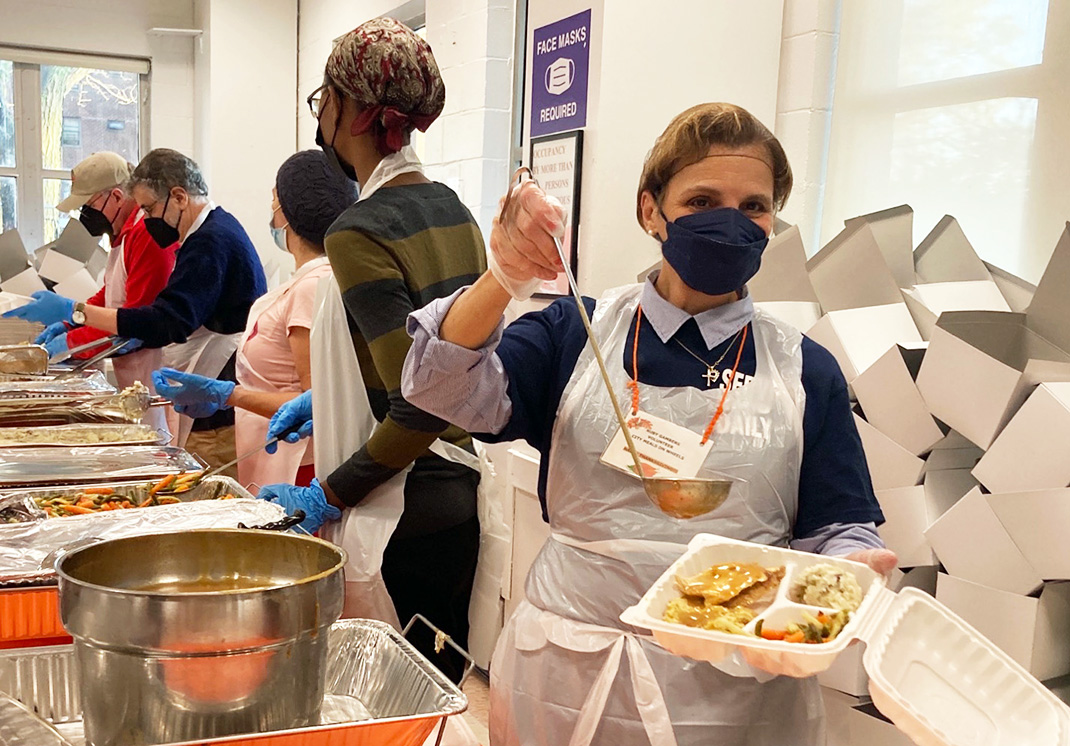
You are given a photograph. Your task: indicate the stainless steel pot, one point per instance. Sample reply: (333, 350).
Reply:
(199, 634)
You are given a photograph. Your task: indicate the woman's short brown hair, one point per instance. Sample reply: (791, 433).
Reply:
(689, 137)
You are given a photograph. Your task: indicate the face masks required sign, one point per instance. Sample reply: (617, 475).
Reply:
(559, 67)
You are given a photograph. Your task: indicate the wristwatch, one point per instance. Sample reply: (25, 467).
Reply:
(78, 314)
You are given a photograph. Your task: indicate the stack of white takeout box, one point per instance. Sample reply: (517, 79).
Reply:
(960, 374)
(72, 265)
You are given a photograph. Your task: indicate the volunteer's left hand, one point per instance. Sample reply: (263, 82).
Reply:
(310, 499)
(57, 344)
(47, 308)
(51, 332)
(194, 396)
(882, 561)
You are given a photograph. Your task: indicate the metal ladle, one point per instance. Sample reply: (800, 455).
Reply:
(680, 498)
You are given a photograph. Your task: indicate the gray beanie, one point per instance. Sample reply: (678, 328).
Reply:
(312, 194)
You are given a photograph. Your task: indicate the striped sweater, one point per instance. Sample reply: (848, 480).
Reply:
(391, 254)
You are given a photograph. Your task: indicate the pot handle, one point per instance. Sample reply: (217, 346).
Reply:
(283, 524)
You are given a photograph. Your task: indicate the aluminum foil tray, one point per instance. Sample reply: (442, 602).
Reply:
(29, 467)
(380, 691)
(23, 359)
(87, 382)
(21, 727)
(81, 436)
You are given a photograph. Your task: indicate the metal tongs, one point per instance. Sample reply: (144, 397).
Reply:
(115, 344)
(680, 498)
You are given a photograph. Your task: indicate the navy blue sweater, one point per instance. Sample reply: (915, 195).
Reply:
(217, 277)
(834, 483)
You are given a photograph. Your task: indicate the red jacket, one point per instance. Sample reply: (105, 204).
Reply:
(148, 268)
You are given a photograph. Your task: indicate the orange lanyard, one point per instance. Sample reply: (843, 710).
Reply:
(634, 383)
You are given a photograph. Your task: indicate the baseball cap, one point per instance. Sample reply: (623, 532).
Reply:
(103, 170)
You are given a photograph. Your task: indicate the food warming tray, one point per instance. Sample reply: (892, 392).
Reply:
(936, 678)
(28, 467)
(380, 691)
(81, 436)
(86, 382)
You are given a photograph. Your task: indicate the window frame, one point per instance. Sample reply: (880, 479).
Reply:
(28, 170)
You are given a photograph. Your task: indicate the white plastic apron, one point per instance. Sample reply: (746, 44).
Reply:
(249, 427)
(138, 365)
(558, 675)
(344, 422)
(204, 354)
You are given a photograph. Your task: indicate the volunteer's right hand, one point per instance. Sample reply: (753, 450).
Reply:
(51, 332)
(194, 396)
(522, 250)
(295, 413)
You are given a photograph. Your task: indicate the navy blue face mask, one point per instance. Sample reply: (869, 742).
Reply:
(715, 251)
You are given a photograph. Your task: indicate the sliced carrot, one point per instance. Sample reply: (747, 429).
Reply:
(773, 634)
(163, 484)
(146, 502)
(127, 504)
(78, 509)
(795, 637)
(99, 491)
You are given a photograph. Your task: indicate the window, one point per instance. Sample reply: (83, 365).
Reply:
(56, 109)
(71, 135)
(955, 107)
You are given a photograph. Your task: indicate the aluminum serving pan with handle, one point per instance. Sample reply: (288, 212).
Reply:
(23, 359)
(82, 436)
(40, 466)
(934, 676)
(379, 692)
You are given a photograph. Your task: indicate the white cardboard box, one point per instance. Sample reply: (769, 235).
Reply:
(783, 275)
(890, 465)
(953, 452)
(57, 266)
(800, 314)
(981, 365)
(1032, 631)
(79, 287)
(858, 337)
(1018, 292)
(946, 255)
(1033, 450)
(1038, 522)
(907, 513)
(972, 544)
(26, 283)
(850, 271)
(893, 230)
(927, 302)
(892, 403)
(846, 673)
(13, 256)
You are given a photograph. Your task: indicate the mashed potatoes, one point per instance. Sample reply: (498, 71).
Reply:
(828, 586)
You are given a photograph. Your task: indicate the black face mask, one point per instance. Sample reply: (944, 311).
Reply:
(162, 232)
(332, 155)
(95, 221)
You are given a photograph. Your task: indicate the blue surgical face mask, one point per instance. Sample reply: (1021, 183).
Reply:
(715, 251)
(278, 235)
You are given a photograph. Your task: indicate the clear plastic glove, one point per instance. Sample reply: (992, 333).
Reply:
(296, 413)
(51, 332)
(311, 500)
(522, 251)
(57, 344)
(194, 396)
(47, 308)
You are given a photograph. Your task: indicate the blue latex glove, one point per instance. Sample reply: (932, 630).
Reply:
(57, 344)
(295, 413)
(51, 332)
(132, 345)
(193, 395)
(47, 308)
(310, 499)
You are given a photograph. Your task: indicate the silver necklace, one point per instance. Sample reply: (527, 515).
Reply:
(712, 374)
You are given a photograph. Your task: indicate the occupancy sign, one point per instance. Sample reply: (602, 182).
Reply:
(560, 63)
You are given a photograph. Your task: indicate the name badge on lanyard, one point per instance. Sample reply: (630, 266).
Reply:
(665, 449)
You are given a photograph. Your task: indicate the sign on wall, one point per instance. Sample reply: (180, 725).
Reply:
(560, 64)
(555, 164)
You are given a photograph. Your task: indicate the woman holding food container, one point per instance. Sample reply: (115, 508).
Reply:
(744, 396)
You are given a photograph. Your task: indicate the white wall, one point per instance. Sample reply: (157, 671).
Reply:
(644, 71)
(246, 73)
(119, 27)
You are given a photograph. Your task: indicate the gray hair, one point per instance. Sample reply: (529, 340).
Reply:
(164, 169)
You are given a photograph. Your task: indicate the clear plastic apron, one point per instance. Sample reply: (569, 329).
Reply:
(249, 427)
(343, 424)
(205, 353)
(137, 365)
(560, 674)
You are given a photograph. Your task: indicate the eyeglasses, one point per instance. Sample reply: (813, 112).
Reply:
(315, 100)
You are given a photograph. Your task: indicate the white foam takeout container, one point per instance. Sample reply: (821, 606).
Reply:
(935, 677)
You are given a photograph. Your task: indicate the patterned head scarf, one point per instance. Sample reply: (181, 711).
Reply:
(393, 76)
